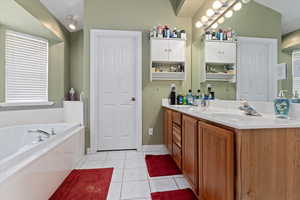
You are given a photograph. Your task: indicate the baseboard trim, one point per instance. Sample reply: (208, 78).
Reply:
(158, 147)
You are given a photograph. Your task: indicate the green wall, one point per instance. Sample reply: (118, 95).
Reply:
(76, 61)
(253, 20)
(139, 15)
(59, 67)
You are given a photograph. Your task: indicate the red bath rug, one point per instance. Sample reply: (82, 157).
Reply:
(186, 194)
(85, 184)
(161, 165)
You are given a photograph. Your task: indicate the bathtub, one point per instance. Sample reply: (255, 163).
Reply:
(32, 169)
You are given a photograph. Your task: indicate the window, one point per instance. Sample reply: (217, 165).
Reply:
(26, 66)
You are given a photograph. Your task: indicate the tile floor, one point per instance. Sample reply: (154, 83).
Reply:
(130, 179)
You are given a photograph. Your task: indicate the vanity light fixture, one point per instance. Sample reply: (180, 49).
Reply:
(210, 12)
(221, 20)
(215, 25)
(217, 5)
(221, 9)
(229, 14)
(237, 6)
(199, 24)
(204, 19)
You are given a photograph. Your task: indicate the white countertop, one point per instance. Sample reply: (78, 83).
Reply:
(235, 118)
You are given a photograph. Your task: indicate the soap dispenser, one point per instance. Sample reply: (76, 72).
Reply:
(282, 105)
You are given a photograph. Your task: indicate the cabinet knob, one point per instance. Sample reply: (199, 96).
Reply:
(133, 99)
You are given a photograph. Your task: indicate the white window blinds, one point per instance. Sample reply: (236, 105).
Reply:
(296, 71)
(26, 65)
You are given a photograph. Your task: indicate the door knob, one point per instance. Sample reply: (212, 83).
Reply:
(133, 99)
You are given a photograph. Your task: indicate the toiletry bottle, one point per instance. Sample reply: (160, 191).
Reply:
(197, 100)
(190, 98)
(180, 100)
(211, 94)
(174, 35)
(173, 95)
(184, 100)
(72, 94)
(281, 106)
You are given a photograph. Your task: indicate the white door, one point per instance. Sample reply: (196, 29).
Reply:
(256, 67)
(177, 51)
(159, 50)
(116, 89)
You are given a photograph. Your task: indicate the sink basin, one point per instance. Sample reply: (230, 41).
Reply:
(230, 116)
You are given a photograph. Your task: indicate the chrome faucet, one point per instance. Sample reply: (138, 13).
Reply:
(249, 110)
(40, 131)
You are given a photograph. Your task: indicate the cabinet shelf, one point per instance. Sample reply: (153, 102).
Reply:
(219, 77)
(168, 54)
(168, 76)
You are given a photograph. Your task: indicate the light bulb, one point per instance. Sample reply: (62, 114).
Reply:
(215, 25)
(246, 1)
(198, 24)
(217, 5)
(229, 14)
(237, 6)
(221, 20)
(210, 12)
(204, 19)
(72, 26)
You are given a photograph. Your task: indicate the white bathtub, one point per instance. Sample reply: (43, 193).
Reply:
(33, 170)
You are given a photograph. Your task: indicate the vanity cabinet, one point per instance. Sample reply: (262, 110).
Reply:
(216, 162)
(168, 135)
(224, 163)
(190, 150)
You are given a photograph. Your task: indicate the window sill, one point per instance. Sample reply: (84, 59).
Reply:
(47, 103)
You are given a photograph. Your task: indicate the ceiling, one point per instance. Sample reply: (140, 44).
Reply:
(62, 8)
(289, 10)
(15, 17)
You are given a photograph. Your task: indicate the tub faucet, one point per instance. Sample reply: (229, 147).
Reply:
(41, 132)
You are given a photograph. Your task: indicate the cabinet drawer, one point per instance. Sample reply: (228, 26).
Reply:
(176, 135)
(177, 155)
(176, 118)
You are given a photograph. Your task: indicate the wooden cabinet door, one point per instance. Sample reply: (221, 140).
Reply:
(216, 163)
(168, 130)
(159, 50)
(190, 150)
(177, 50)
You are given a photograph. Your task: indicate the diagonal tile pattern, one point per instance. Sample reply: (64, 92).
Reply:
(130, 179)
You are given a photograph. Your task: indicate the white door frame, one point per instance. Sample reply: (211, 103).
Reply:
(273, 83)
(94, 33)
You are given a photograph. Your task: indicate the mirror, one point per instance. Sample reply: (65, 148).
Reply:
(247, 68)
(32, 58)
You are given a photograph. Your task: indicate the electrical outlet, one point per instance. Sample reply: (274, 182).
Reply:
(150, 131)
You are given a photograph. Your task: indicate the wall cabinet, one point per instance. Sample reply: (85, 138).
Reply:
(220, 52)
(216, 55)
(168, 59)
(216, 162)
(168, 50)
(190, 150)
